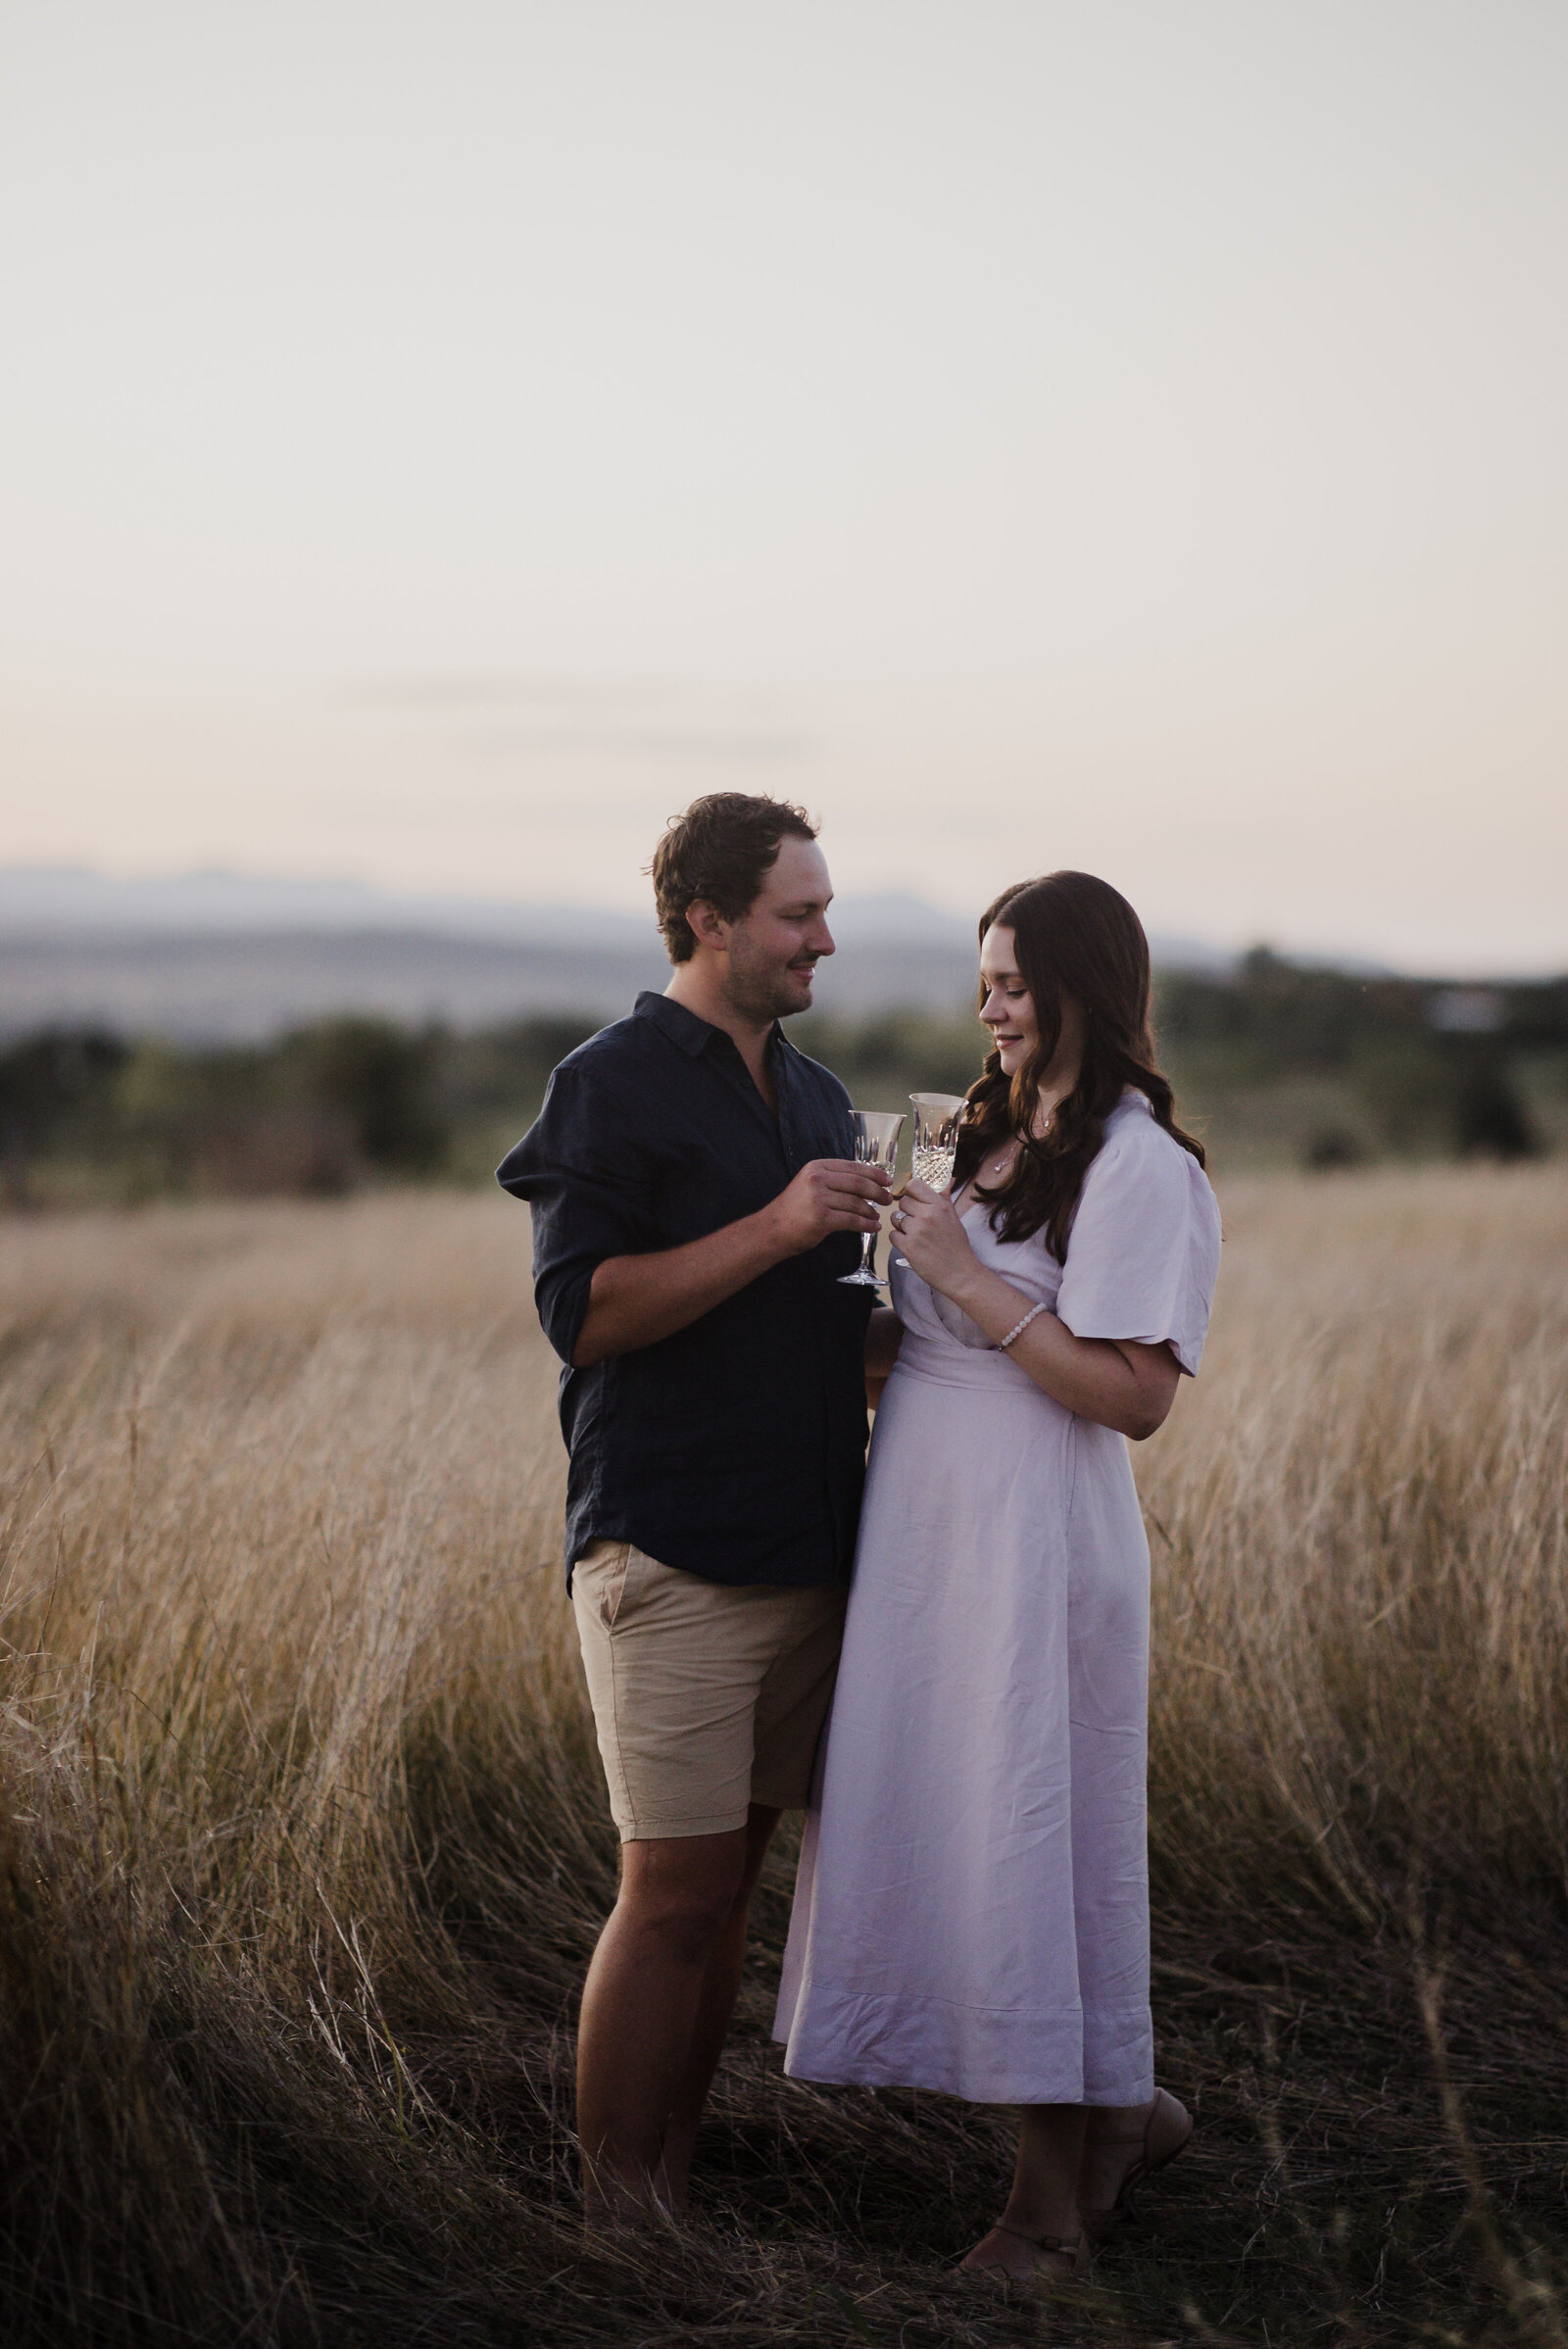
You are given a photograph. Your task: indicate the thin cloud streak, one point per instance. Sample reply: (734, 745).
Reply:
(580, 718)
(461, 693)
(609, 742)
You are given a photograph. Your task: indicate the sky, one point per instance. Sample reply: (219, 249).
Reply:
(438, 441)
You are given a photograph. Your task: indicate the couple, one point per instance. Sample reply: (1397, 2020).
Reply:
(971, 1911)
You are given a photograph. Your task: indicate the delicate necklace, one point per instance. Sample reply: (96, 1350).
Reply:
(997, 1166)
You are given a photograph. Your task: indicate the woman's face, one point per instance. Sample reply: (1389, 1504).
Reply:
(1009, 1009)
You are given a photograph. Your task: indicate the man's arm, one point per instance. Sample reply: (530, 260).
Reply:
(635, 1301)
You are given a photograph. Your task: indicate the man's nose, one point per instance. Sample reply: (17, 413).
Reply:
(822, 940)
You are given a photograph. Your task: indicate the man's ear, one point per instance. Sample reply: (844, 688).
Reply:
(706, 925)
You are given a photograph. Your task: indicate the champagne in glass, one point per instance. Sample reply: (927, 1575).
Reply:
(937, 1117)
(876, 1143)
(936, 1138)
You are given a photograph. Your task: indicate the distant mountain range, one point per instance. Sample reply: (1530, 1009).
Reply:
(231, 957)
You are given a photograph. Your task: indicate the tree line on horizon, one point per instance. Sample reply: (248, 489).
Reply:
(1276, 1062)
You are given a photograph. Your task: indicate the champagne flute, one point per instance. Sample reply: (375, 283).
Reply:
(876, 1143)
(937, 1117)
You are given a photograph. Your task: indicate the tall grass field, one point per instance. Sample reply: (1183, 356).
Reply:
(305, 1842)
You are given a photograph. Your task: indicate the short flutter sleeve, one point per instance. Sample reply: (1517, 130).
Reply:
(1144, 1250)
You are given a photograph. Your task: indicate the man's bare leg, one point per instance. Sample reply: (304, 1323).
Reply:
(640, 2006)
(710, 2026)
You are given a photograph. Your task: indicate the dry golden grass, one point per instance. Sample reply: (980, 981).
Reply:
(304, 1842)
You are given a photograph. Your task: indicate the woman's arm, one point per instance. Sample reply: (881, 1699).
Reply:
(1116, 1381)
(882, 1336)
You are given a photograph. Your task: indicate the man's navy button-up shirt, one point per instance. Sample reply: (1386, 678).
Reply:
(736, 1447)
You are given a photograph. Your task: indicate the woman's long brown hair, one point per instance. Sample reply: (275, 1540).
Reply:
(1076, 936)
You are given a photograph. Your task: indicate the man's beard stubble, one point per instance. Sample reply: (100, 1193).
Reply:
(760, 991)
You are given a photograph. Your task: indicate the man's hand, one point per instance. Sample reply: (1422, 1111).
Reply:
(830, 1195)
(635, 1301)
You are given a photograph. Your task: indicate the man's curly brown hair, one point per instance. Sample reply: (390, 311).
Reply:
(720, 850)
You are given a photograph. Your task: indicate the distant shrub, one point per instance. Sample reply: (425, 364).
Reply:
(1332, 1146)
(377, 1080)
(53, 1086)
(1490, 1118)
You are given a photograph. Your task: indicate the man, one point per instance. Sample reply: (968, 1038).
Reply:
(694, 1204)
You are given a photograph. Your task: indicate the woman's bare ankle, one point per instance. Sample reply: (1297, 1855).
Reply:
(1027, 2255)
(1114, 2123)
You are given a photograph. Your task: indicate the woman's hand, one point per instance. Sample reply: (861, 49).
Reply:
(929, 1233)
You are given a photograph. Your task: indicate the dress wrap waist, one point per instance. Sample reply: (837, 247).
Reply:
(948, 1364)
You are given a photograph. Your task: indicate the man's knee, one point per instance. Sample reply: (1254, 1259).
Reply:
(681, 1890)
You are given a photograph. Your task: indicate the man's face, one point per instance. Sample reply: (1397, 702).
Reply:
(774, 946)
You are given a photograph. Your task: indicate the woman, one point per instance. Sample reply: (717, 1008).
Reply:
(972, 1913)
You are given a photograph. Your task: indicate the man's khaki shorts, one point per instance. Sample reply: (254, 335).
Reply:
(705, 1697)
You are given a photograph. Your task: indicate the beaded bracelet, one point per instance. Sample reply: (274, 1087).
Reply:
(1019, 1327)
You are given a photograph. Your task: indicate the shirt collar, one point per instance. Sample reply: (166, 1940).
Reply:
(683, 1027)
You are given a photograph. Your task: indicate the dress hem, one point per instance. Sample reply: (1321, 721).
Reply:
(982, 2055)
(1039, 2090)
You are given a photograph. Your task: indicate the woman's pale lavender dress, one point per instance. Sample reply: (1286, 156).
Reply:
(972, 1912)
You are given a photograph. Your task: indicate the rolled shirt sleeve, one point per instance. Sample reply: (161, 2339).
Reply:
(588, 1184)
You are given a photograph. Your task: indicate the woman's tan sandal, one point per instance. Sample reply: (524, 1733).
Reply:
(1166, 2131)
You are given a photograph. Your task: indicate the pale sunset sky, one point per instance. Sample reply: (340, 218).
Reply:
(439, 440)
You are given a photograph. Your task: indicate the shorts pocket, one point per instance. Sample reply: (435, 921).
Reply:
(632, 1576)
(600, 1574)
